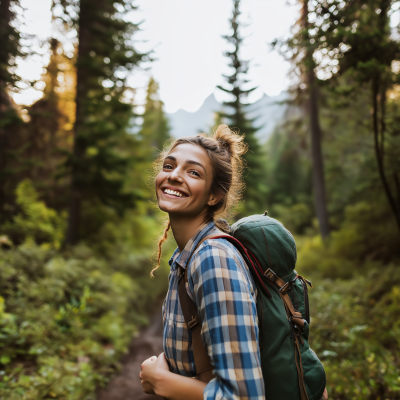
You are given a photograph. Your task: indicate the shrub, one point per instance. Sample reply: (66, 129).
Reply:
(35, 221)
(66, 319)
(355, 329)
(365, 237)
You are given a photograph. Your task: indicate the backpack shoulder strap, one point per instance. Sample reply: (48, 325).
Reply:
(189, 309)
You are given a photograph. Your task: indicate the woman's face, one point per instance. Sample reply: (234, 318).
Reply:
(184, 183)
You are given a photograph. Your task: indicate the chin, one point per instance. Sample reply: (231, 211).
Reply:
(166, 207)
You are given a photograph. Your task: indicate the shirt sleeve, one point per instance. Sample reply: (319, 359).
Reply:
(229, 323)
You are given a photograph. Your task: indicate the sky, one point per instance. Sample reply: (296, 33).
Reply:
(186, 39)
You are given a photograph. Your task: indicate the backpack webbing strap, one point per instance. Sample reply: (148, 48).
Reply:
(300, 372)
(295, 318)
(189, 309)
(192, 319)
(297, 323)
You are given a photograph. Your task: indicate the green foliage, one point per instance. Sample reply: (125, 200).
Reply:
(65, 320)
(355, 329)
(288, 176)
(295, 217)
(366, 235)
(35, 222)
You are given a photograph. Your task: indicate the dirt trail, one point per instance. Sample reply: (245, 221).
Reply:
(126, 385)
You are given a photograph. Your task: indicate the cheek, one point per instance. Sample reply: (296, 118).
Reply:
(159, 178)
(201, 190)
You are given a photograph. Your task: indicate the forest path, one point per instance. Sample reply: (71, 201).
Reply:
(126, 385)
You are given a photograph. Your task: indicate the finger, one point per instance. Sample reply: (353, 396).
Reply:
(152, 358)
(148, 359)
(147, 388)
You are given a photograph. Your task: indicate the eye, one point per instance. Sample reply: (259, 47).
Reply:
(195, 173)
(167, 166)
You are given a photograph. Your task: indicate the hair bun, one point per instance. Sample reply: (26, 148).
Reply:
(231, 141)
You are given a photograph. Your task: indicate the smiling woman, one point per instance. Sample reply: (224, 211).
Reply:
(199, 179)
(214, 170)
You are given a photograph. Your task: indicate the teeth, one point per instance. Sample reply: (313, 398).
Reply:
(169, 191)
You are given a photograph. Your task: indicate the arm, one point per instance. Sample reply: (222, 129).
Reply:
(229, 323)
(157, 379)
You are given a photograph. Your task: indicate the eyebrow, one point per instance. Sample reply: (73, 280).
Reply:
(187, 162)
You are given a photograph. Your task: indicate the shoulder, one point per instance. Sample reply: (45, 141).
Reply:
(221, 244)
(216, 251)
(218, 259)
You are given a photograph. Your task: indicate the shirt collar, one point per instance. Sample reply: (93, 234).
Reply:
(182, 258)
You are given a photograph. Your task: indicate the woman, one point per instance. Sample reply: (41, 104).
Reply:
(200, 180)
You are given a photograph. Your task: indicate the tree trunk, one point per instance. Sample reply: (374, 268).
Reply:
(317, 160)
(5, 104)
(379, 142)
(316, 148)
(80, 144)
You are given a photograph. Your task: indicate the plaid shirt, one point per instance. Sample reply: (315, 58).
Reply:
(222, 288)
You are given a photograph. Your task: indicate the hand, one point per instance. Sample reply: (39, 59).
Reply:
(151, 370)
(325, 395)
(147, 387)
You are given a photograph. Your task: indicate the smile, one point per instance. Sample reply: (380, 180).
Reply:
(173, 193)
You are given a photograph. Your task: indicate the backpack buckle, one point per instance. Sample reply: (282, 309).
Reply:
(271, 275)
(181, 273)
(285, 287)
(193, 322)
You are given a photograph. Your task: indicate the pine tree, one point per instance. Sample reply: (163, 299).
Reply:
(48, 133)
(10, 121)
(106, 54)
(155, 128)
(234, 114)
(147, 143)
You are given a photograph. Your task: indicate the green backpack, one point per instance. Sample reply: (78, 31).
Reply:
(290, 368)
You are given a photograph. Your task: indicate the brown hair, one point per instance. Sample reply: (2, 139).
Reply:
(225, 149)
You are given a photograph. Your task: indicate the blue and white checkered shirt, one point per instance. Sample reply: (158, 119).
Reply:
(222, 288)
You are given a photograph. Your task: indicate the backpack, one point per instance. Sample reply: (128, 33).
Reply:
(291, 370)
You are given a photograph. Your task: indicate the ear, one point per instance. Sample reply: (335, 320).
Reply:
(214, 199)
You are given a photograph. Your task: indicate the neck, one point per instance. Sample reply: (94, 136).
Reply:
(184, 228)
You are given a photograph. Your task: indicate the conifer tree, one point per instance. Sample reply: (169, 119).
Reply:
(147, 143)
(10, 49)
(155, 128)
(106, 54)
(234, 114)
(48, 130)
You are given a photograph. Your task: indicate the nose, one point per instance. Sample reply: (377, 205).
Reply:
(175, 175)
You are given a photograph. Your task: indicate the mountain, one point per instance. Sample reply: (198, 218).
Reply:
(267, 113)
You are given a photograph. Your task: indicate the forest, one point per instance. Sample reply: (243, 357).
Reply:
(79, 221)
